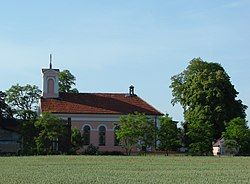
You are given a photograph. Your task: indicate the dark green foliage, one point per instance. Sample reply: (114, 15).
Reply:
(5, 110)
(71, 151)
(238, 131)
(50, 129)
(209, 101)
(76, 138)
(208, 85)
(116, 140)
(199, 132)
(29, 132)
(66, 81)
(231, 147)
(91, 150)
(23, 100)
(182, 136)
(168, 134)
(111, 153)
(135, 130)
(148, 135)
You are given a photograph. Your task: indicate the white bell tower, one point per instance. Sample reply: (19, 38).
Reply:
(50, 81)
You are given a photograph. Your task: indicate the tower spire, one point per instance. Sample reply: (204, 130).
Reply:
(50, 61)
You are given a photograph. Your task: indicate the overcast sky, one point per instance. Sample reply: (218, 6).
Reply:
(110, 44)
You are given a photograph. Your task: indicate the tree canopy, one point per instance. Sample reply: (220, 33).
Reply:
(135, 130)
(50, 128)
(66, 81)
(208, 98)
(23, 100)
(207, 84)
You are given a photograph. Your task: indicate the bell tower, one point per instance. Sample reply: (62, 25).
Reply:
(50, 81)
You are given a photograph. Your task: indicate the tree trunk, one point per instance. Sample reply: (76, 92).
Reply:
(126, 151)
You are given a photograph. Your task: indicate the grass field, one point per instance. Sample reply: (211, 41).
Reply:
(115, 169)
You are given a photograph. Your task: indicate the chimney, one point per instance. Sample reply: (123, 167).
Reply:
(131, 90)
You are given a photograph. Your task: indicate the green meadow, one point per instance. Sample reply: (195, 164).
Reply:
(123, 169)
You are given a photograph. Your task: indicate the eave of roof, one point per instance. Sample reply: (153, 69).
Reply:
(45, 70)
(10, 125)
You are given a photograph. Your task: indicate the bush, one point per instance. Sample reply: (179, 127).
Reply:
(231, 147)
(91, 150)
(71, 152)
(111, 153)
(76, 138)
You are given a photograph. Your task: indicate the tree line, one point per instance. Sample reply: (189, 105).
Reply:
(211, 107)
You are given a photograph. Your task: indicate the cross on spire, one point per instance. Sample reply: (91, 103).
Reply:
(50, 61)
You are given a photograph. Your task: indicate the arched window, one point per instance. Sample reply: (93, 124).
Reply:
(116, 140)
(86, 135)
(51, 86)
(102, 135)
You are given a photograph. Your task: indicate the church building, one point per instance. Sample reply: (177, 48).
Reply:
(96, 115)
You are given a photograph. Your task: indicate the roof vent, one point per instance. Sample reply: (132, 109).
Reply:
(131, 90)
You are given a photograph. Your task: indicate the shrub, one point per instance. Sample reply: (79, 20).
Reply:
(231, 147)
(111, 153)
(91, 150)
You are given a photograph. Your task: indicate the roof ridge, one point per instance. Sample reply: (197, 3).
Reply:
(118, 93)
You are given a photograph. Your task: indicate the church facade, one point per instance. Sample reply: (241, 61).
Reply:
(96, 115)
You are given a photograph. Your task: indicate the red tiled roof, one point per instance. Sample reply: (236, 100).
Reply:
(97, 103)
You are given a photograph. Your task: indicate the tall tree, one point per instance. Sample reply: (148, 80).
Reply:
(135, 130)
(238, 131)
(168, 134)
(5, 110)
(205, 85)
(23, 100)
(66, 81)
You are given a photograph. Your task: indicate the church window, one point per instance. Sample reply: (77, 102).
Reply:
(51, 86)
(86, 135)
(116, 140)
(102, 135)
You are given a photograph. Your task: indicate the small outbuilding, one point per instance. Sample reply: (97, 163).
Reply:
(219, 147)
(10, 138)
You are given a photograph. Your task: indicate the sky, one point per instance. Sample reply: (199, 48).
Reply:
(110, 44)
